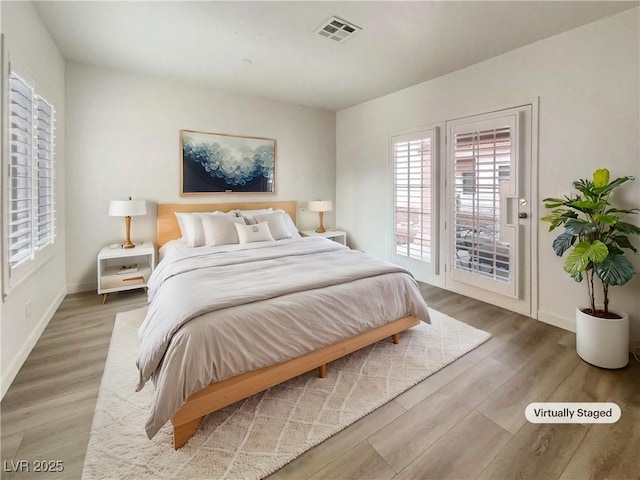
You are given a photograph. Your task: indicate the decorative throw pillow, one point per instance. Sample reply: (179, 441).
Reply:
(219, 229)
(276, 222)
(253, 233)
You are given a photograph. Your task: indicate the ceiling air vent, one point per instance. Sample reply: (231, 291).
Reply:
(337, 29)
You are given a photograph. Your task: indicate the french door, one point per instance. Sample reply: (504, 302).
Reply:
(488, 183)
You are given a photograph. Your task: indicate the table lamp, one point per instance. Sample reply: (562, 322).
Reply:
(127, 209)
(320, 206)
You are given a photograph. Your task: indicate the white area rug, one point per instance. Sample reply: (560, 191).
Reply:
(257, 436)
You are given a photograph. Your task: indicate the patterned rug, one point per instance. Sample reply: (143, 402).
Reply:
(257, 436)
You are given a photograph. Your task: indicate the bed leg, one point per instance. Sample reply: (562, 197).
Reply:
(322, 371)
(395, 339)
(182, 433)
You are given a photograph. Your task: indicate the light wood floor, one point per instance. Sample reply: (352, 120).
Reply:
(465, 421)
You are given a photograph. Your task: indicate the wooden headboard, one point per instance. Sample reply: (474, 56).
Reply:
(168, 228)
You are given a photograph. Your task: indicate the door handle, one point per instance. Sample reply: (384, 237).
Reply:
(522, 215)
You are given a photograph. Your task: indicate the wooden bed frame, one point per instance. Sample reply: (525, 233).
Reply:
(224, 393)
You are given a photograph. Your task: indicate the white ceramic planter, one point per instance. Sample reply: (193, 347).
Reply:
(603, 342)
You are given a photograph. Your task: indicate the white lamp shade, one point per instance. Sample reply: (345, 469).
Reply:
(127, 208)
(320, 206)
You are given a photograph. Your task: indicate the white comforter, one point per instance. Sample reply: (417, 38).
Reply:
(218, 312)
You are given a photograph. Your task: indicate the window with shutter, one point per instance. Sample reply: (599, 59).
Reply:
(20, 206)
(29, 212)
(413, 155)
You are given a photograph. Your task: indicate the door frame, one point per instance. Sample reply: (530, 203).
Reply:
(532, 171)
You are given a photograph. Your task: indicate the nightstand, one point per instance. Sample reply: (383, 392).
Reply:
(125, 268)
(335, 235)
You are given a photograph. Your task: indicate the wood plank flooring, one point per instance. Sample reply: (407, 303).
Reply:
(465, 421)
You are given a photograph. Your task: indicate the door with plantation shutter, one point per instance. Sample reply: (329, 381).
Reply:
(488, 207)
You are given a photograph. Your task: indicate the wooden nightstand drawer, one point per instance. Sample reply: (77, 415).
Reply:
(125, 280)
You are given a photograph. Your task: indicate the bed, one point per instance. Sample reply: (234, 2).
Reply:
(284, 321)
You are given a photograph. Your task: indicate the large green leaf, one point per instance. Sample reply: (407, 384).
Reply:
(617, 210)
(614, 270)
(586, 206)
(601, 177)
(558, 217)
(583, 254)
(563, 242)
(614, 250)
(625, 227)
(607, 219)
(553, 202)
(576, 226)
(623, 242)
(607, 188)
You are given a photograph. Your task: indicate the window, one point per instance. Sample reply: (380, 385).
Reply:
(413, 172)
(30, 210)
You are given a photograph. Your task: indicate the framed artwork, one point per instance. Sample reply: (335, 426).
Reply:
(220, 163)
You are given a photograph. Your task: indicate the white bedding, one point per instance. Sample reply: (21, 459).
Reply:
(216, 312)
(172, 246)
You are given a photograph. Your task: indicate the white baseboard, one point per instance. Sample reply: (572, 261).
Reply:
(17, 362)
(570, 324)
(81, 287)
(556, 321)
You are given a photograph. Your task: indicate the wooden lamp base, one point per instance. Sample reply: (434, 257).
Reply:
(321, 227)
(128, 243)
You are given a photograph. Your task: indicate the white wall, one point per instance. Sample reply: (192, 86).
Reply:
(588, 82)
(123, 140)
(33, 54)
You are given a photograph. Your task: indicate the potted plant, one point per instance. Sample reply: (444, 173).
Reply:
(596, 240)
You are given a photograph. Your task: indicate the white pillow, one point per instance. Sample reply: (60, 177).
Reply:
(253, 233)
(191, 227)
(276, 222)
(290, 225)
(183, 228)
(219, 230)
(251, 213)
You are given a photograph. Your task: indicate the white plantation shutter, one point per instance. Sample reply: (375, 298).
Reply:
(45, 169)
(482, 162)
(20, 205)
(413, 173)
(30, 214)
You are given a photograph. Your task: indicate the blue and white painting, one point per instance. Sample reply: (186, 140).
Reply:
(215, 162)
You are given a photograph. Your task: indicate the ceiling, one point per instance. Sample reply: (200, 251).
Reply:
(401, 43)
